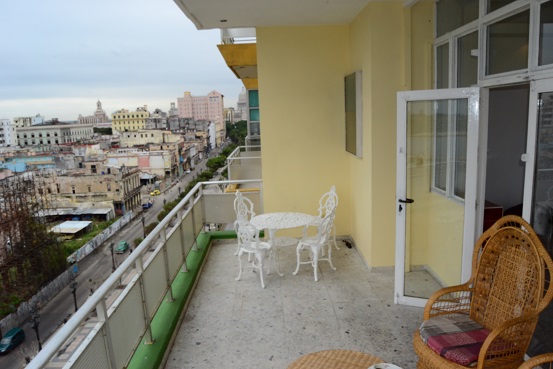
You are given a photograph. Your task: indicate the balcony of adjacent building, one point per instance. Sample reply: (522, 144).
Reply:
(175, 303)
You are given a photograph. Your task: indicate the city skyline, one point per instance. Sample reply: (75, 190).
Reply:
(62, 57)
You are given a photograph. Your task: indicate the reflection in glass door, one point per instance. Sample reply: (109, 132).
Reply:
(436, 191)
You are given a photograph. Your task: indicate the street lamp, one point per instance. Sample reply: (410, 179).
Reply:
(73, 286)
(35, 320)
(112, 257)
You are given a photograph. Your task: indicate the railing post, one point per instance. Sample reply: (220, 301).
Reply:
(163, 234)
(183, 246)
(102, 312)
(140, 271)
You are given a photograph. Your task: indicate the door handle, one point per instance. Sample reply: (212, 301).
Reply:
(406, 201)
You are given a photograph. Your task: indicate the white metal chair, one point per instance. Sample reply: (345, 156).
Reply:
(316, 245)
(327, 204)
(248, 242)
(243, 207)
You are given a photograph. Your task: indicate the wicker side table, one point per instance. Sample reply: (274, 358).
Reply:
(335, 359)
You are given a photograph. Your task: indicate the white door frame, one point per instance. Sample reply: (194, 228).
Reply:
(473, 186)
(536, 87)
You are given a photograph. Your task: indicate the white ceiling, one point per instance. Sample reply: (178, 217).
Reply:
(210, 14)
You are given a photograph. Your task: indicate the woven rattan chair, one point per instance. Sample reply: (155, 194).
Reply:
(544, 361)
(509, 287)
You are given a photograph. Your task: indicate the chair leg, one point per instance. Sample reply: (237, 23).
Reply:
(237, 249)
(315, 263)
(298, 249)
(334, 237)
(260, 261)
(330, 256)
(239, 266)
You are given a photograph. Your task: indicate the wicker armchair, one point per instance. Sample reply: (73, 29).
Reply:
(544, 361)
(509, 287)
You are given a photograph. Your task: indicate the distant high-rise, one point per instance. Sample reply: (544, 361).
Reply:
(208, 107)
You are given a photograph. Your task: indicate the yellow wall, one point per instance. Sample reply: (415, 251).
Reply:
(301, 92)
(301, 96)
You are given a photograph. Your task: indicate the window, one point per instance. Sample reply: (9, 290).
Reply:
(467, 62)
(508, 44)
(546, 34)
(452, 14)
(354, 113)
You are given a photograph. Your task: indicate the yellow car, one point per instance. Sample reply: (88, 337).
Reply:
(155, 193)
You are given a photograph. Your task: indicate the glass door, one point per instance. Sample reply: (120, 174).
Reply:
(538, 194)
(436, 190)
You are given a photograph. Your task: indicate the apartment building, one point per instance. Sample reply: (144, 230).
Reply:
(125, 120)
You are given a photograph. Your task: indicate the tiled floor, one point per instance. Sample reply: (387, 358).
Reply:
(238, 325)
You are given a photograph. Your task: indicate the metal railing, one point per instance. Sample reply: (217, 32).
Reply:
(125, 304)
(238, 36)
(244, 163)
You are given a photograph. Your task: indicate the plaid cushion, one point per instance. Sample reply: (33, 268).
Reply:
(455, 337)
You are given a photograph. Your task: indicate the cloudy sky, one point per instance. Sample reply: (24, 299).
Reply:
(58, 57)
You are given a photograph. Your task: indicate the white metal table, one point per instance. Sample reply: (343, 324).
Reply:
(273, 222)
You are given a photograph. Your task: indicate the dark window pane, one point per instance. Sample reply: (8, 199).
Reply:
(546, 34)
(452, 14)
(442, 66)
(508, 44)
(496, 4)
(467, 72)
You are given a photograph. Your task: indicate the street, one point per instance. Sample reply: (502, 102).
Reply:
(93, 271)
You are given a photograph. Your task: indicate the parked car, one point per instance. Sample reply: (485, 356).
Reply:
(155, 193)
(11, 340)
(147, 205)
(122, 247)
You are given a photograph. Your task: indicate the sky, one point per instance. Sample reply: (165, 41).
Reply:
(59, 57)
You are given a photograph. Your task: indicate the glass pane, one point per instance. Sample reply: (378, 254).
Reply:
(460, 163)
(508, 44)
(496, 4)
(467, 70)
(440, 149)
(546, 34)
(542, 210)
(434, 221)
(254, 115)
(253, 96)
(452, 14)
(254, 129)
(442, 66)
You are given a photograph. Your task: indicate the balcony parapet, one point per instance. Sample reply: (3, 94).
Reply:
(122, 310)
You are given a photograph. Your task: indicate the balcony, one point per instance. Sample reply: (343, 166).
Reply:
(175, 300)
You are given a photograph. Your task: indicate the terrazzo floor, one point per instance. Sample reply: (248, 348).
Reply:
(233, 324)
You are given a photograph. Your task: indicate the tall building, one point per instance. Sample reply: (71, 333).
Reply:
(7, 133)
(173, 111)
(210, 108)
(124, 120)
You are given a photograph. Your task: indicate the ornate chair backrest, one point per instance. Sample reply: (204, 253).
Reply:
(243, 207)
(511, 273)
(324, 229)
(247, 234)
(328, 202)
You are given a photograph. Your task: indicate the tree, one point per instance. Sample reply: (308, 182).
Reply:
(237, 132)
(30, 255)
